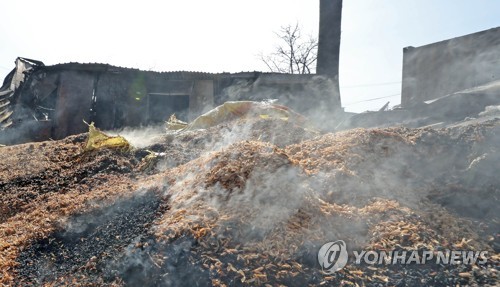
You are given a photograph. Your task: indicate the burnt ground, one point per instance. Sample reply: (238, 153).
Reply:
(109, 245)
(89, 241)
(95, 219)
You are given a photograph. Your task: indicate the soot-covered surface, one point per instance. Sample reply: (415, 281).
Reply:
(87, 242)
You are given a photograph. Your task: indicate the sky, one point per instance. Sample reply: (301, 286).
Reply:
(228, 35)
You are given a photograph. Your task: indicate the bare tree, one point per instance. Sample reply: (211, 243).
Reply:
(295, 55)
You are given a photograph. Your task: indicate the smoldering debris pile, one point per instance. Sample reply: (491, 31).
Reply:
(250, 202)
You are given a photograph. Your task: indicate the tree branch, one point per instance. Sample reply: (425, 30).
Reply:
(295, 55)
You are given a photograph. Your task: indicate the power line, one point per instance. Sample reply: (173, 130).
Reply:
(372, 99)
(370, 85)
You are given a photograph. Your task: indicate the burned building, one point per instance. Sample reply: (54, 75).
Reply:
(39, 102)
(444, 83)
(450, 66)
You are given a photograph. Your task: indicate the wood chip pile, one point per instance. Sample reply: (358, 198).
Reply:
(250, 203)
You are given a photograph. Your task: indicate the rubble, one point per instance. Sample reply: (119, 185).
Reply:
(249, 202)
(476, 103)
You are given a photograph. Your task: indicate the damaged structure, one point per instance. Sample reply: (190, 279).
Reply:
(443, 83)
(41, 102)
(450, 66)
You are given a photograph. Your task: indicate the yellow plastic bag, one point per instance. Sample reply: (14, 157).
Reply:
(97, 140)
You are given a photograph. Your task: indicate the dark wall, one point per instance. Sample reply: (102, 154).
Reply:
(74, 99)
(449, 66)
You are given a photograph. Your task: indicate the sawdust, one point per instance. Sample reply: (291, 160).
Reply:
(254, 209)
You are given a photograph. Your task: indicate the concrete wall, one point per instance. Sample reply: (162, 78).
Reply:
(442, 68)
